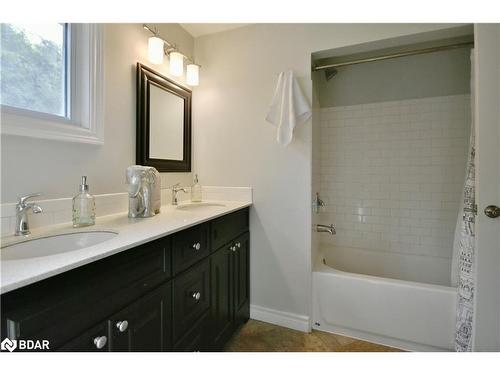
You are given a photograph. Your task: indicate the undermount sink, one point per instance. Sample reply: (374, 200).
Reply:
(54, 244)
(198, 206)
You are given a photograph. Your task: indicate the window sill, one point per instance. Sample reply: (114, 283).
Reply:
(22, 123)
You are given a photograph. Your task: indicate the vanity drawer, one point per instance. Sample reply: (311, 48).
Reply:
(226, 228)
(189, 247)
(142, 267)
(191, 298)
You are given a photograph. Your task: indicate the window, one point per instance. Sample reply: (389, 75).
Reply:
(51, 81)
(34, 67)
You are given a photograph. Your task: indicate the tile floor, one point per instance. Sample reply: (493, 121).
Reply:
(256, 336)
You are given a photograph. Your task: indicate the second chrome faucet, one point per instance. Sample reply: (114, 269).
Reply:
(175, 189)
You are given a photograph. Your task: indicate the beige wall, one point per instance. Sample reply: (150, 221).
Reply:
(54, 167)
(233, 145)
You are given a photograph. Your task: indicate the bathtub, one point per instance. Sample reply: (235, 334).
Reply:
(403, 301)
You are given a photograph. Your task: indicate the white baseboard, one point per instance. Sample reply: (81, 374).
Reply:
(280, 318)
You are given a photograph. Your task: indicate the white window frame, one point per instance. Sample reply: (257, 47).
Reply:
(83, 123)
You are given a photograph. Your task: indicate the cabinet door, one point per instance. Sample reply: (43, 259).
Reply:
(196, 339)
(144, 325)
(222, 305)
(241, 279)
(95, 339)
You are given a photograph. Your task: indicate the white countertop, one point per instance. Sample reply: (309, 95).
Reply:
(131, 233)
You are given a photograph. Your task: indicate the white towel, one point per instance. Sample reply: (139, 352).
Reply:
(289, 107)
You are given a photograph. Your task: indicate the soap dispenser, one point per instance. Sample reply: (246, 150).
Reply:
(196, 190)
(83, 206)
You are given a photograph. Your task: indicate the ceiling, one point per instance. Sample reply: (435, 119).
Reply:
(199, 29)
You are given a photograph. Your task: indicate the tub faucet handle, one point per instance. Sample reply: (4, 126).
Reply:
(318, 203)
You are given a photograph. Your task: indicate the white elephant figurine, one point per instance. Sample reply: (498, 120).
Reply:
(143, 191)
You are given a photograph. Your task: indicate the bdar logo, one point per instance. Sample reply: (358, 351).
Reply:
(9, 345)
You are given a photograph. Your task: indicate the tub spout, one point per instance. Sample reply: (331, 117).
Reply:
(321, 228)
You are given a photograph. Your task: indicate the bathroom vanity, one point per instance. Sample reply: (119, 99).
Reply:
(185, 291)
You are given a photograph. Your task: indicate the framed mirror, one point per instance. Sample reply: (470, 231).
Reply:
(163, 122)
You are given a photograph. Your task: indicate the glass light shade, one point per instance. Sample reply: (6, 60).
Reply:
(192, 75)
(176, 64)
(155, 50)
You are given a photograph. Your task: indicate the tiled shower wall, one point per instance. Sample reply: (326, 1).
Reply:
(392, 173)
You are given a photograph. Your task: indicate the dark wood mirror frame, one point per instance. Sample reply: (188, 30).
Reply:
(145, 78)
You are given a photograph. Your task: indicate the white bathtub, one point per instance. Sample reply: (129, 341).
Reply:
(398, 300)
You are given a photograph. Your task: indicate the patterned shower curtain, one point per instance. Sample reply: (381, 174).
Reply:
(466, 247)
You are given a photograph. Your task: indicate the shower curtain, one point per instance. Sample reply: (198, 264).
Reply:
(463, 272)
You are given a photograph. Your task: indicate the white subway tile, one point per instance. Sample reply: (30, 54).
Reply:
(392, 173)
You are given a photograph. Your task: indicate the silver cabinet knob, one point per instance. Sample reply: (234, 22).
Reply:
(122, 325)
(100, 342)
(196, 296)
(238, 244)
(197, 246)
(492, 211)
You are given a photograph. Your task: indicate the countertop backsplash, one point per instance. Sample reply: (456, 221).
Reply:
(58, 211)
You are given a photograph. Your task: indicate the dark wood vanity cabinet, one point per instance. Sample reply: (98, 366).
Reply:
(177, 293)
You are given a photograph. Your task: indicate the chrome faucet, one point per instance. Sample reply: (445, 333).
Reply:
(22, 208)
(175, 189)
(321, 228)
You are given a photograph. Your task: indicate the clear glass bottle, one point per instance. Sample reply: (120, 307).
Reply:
(196, 190)
(83, 206)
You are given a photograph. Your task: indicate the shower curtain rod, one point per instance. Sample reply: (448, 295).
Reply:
(395, 55)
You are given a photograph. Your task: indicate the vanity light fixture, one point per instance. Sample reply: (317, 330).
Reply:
(158, 47)
(176, 63)
(155, 50)
(193, 75)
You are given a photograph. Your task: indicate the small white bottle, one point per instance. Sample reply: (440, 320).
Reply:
(196, 190)
(83, 206)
